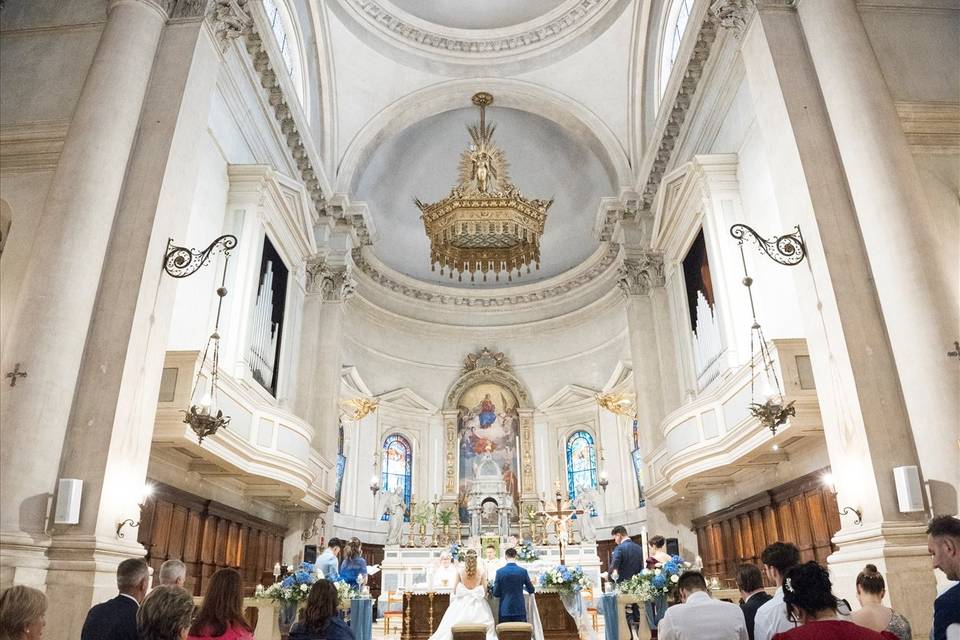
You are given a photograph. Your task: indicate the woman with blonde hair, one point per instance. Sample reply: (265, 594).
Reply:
(468, 602)
(22, 613)
(165, 614)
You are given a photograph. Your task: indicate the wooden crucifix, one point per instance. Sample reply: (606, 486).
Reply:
(560, 518)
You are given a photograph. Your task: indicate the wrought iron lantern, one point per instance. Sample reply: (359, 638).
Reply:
(204, 418)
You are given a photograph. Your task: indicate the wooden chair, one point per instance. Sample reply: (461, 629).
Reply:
(392, 598)
(591, 605)
(470, 632)
(514, 631)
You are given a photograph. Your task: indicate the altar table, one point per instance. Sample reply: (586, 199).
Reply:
(422, 613)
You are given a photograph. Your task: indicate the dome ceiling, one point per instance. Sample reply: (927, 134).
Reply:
(491, 14)
(545, 161)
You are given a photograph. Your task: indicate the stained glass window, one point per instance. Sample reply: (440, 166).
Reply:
(397, 466)
(676, 25)
(581, 462)
(341, 466)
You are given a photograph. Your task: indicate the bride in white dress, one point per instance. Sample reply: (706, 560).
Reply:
(468, 602)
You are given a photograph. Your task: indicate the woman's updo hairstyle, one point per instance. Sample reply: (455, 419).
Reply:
(871, 581)
(807, 587)
(471, 564)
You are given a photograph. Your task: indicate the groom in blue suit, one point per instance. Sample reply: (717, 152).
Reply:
(508, 585)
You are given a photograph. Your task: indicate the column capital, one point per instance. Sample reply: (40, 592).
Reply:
(639, 274)
(734, 15)
(230, 18)
(332, 282)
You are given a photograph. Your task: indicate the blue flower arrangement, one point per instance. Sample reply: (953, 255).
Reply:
(293, 588)
(526, 552)
(458, 552)
(564, 579)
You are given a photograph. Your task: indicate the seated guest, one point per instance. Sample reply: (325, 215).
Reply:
(328, 560)
(943, 543)
(750, 583)
(165, 614)
(117, 619)
(22, 613)
(808, 596)
(221, 616)
(353, 565)
(872, 614)
(319, 619)
(700, 617)
(173, 573)
(771, 617)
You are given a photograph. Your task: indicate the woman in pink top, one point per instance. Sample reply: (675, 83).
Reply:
(221, 616)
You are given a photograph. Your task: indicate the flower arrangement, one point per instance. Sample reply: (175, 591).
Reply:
(526, 552)
(458, 552)
(345, 593)
(564, 579)
(293, 588)
(640, 586)
(652, 583)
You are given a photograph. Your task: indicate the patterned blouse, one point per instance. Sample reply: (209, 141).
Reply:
(899, 627)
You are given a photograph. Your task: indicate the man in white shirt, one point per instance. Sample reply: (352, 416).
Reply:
(700, 617)
(491, 563)
(771, 617)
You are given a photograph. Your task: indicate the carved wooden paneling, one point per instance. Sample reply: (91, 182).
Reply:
(373, 554)
(207, 536)
(803, 512)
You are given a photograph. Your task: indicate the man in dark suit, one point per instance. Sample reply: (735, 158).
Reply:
(117, 619)
(627, 561)
(508, 586)
(750, 583)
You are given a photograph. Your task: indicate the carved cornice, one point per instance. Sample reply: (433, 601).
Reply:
(507, 299)
(678, 111)
(639, 275)
(420, 35)
(232, 19)
(732, 14)
(332, 282)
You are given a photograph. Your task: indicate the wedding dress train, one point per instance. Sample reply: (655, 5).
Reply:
(467, 606)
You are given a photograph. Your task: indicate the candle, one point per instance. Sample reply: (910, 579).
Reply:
(276, 570)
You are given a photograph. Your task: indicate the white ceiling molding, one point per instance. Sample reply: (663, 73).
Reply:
(453, 51)
(580, 121)
(604, 259)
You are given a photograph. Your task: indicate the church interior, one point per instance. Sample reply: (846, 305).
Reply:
(276, 272)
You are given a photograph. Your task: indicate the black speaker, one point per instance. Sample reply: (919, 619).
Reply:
(673, 546)
(310, 553)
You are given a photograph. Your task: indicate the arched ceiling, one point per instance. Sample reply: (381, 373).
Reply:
(546, 161)
(490, 14)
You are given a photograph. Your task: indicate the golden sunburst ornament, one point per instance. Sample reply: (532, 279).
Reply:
(485, 225)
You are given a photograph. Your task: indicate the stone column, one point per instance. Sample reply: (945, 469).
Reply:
(109, 433)
(329, 284)
(49, 327)
(865, 419)
(639, 275)
(921, 310)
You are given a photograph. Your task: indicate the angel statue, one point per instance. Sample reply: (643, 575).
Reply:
(395, 507)
(588, 500)
(483, 169)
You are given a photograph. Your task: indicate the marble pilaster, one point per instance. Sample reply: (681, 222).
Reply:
(49, 327)
(865, 420)
(109, 434)
(921, 310)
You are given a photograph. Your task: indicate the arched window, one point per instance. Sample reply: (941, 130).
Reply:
(581, 462)
(281, 23)
(341, 467)
(397, 466)
(675, 25)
